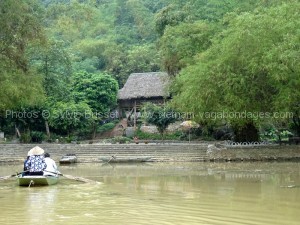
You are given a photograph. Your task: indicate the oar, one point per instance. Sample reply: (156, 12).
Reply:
(13, 175)
(111, 158)
(72, 177)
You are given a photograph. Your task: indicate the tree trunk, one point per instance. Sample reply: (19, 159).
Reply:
(17, 132)
(134, 118)
(47, 129)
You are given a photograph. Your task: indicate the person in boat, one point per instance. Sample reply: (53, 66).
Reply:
(35, 163)
(25, 169)
(51, 168)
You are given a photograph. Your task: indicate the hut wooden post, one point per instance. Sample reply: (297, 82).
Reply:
(134, 118)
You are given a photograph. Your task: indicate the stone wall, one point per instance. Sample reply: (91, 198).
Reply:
(92, 152)
(159, 152)
(255, 153)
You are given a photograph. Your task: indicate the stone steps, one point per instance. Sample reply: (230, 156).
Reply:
(92, 152)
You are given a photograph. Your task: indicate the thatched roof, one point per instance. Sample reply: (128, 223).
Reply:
(145, 85)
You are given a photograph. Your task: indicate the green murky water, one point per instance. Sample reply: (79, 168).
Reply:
(158, 193)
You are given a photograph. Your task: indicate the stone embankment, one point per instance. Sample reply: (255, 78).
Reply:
(92, 152)
(159, 152)
(255, 153)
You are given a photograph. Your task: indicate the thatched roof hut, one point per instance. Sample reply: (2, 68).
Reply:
(145, 86)
(141, 88)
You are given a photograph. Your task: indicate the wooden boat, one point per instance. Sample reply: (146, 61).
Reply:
(37, 180)
(113, 159)
(68, 159)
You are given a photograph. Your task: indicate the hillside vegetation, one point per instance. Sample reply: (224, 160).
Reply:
(233, 63)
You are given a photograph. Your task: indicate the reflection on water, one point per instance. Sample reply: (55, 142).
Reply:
(158, 193)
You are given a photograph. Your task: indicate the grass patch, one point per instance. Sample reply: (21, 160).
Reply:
(148, 136)
(107, 126)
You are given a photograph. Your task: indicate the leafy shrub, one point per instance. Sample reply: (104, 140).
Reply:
(71, 139)
(119, 139)
(53, 138)
(285, 134)
(25, 137)
(148, 136)
(37, 136)
(273, 134)
(105, 127)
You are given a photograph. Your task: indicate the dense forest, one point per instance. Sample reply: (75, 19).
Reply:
(233, 63)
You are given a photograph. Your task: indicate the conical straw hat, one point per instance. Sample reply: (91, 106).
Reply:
(36, 151)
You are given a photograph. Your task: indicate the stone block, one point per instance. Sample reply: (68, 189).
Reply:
(129, 132)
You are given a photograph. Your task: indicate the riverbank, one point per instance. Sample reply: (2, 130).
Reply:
(257, 153)
(158, 152)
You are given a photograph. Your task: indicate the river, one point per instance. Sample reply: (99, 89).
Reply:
(158, 193)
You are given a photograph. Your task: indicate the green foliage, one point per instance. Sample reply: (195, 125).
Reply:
(72, 21)
(67, 117)
(120, 62)
(20, 26)
(273, 134)
(212, 11)
(142, 18)
(99, 91)
(245, 66)
(104, 34)
(142, 58)
(233, 56)
(168, 136)
(160, 116)
(54, 63)
(25, 137)
(19, 88)
(181, 43)
(285, 134)
(30, 118)
(106, 127)
(37, 136)
(170, 15)
(120, 140)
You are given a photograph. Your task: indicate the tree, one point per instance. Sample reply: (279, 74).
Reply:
(99, 91)
(179, 44)
(54, 63)
(142, 58)
(249, 68)
(70, 117)
(143, 19)
(20, 27)
(160, 116)
(170, 15)
(211, 11)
